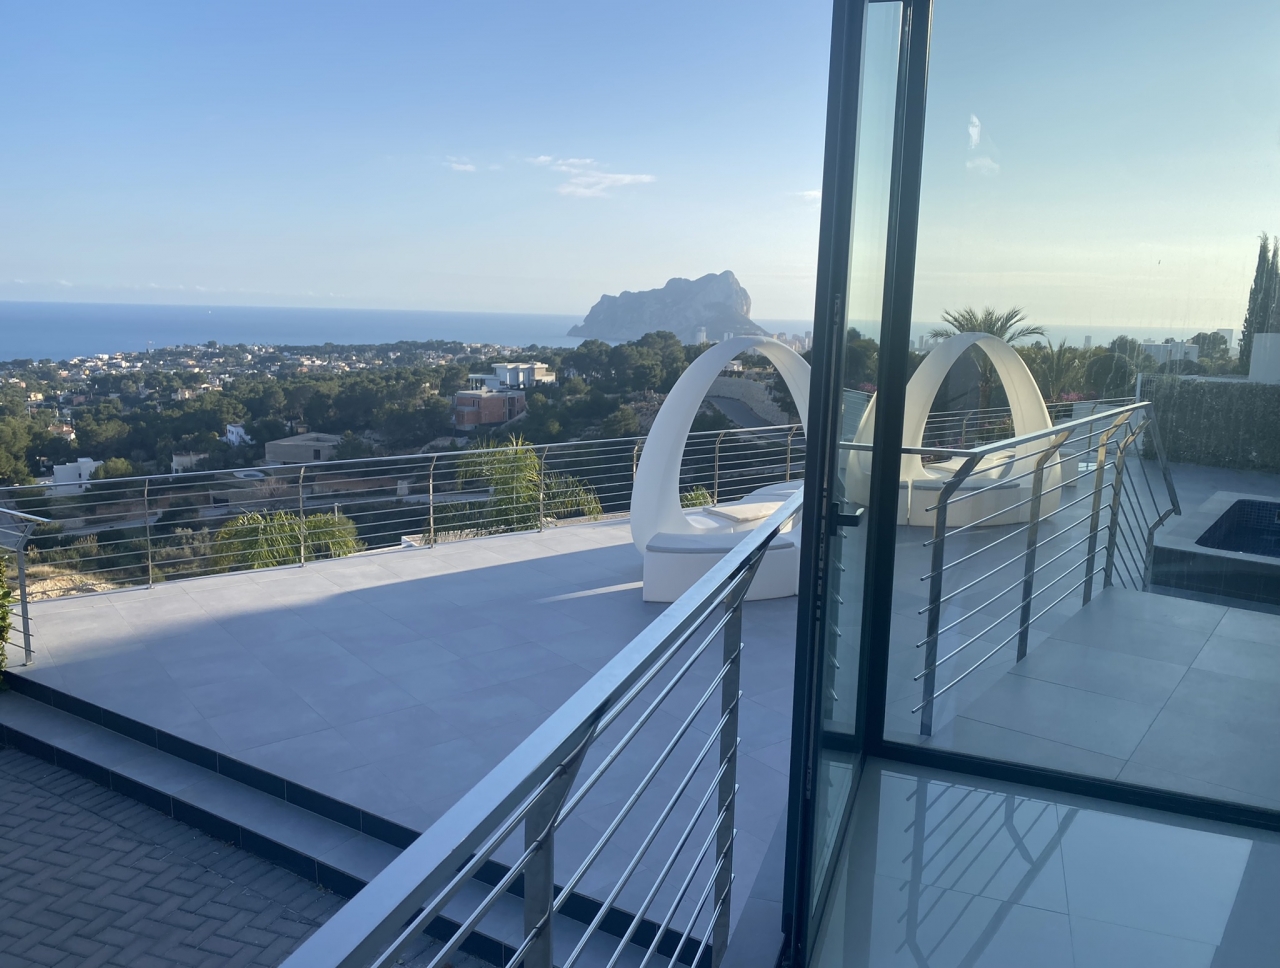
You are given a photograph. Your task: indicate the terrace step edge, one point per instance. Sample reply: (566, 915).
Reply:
(179, 752)
(379, 828)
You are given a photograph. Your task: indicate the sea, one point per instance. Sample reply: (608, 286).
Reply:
(62, 330)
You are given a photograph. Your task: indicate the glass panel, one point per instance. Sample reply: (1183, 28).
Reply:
(942, 870)
(837, 761)
(1094, 499)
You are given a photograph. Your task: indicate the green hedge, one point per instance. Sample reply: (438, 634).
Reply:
(1219, 424)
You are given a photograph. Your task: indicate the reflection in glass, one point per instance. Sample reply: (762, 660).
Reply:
(1085, 576)
(941, 871)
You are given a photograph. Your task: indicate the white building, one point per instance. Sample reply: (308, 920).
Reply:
(236, 436)
(1229, 335)
(1164, 352)
(182, 463)
(71, 478)
(512, 376)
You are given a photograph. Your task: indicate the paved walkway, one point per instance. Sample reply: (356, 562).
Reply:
(89, 877)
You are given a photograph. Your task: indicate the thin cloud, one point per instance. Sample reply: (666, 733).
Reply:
(813, 195)
(975, 131)
(983, 165)
(586, 178)
(459, 164)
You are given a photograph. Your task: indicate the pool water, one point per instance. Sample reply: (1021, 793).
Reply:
(1251, 527)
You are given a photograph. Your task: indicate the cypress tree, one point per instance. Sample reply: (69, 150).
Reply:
(1271, 321)
(1254, 317)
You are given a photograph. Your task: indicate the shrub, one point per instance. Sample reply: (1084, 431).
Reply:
(266, 540)
(521, 491)
(696, 498)
(1219, 424)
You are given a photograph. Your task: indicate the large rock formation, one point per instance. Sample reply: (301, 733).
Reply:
(714, 303)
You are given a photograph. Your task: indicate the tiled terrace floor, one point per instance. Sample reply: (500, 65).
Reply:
(90, 877)
(943, 870)
(394, 680)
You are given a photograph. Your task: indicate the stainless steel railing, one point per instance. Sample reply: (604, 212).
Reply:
(647, 749)
(130, 531)
(16, 528)
(1048, 553)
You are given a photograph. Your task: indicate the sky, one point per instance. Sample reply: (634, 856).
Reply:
(1098, 164)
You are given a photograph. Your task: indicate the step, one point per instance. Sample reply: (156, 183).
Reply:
(321, 850)
(313, 835)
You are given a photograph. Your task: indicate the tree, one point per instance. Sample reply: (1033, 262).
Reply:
(621, 423)
(1262, 295)
(1058, 369)
(1213, 346)
(1109, 375)
(113, 467)
(1006, 326)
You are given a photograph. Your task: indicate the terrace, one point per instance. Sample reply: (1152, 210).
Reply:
(328, 711)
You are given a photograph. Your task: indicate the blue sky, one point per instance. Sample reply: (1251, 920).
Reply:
(380, 154)
(1100, 164)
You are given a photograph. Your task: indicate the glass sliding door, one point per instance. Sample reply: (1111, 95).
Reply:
(856, 317)
(1088, 570)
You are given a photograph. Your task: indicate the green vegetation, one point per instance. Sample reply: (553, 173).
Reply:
(1006, 326)
(267, 540)
(697, 497)
(522, 492)
(1216, 424)
(1263, 312)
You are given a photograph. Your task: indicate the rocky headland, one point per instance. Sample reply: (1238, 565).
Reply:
(714, 304)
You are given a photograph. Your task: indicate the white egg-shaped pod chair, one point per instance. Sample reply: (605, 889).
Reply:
(681, 545)
(1003, 479)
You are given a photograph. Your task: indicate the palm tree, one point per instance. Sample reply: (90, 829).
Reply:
(1005, 326)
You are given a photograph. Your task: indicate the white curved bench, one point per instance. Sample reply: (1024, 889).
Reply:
(673, 562)
(680, 544)
(1006, 473)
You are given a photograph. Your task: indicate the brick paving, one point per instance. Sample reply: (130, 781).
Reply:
(89, 877)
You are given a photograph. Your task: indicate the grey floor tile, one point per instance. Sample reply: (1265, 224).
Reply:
(1248, 659)
(277, 719)
(1123, 633)
(1015, 746)
(309, 757)
(1063, 714)
(1218, 728)
(1261, 627)
(1103, 671)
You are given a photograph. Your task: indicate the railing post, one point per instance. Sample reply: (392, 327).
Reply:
(146, 517)
(22, 594)
(935, 591)
(431, 503)
(542, 486)
(539, 871)
(1099, 482)
(789, 436)
(730, 696)
(302, 522)
(1033, 540)
(1113, 525)
(715, 471)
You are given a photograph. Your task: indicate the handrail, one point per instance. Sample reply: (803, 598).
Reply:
(29, 522)
(1123, 522)
(533, 782)
(144, 530)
